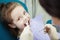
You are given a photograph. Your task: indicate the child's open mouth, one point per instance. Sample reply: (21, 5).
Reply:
(25, 25)
(28, 23)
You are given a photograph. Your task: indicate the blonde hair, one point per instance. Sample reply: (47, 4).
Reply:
(5, 14)
(6, 11)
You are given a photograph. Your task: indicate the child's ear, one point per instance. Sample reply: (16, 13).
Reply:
(12, 25)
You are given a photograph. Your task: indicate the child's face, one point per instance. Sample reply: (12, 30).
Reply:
(20, 17)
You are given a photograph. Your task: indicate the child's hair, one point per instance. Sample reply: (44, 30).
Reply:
(5, 11)
(5, 14)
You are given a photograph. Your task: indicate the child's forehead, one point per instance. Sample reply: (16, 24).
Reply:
(17, 11)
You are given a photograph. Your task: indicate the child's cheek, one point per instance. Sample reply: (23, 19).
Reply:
(20, 24)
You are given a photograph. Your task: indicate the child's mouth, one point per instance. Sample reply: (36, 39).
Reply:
(28, 23)
(25, 25)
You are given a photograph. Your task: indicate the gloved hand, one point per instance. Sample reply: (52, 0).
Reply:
(26, 34)
(52, 32)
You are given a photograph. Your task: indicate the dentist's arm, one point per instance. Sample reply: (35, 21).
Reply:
(52, 32)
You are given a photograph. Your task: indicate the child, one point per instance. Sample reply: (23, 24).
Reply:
(15, 17)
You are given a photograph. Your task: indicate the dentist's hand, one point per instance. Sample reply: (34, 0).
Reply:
(26, 34)
(52, 32)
